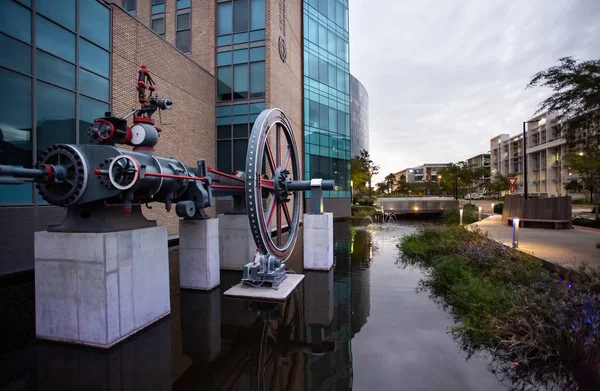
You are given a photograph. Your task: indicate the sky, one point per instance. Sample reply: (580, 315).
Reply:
(445, 76)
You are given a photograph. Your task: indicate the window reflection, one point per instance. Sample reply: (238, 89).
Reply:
(55, 116)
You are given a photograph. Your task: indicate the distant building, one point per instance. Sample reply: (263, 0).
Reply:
(481, 161)
(423, 173)
(359, 117)
(547, 171)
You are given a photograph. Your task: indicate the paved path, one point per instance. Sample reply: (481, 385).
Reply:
(569, 248)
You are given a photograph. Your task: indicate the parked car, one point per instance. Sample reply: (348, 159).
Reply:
(474, 196)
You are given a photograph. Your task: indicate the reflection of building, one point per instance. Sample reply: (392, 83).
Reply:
(547, 171)
(359, 117)
(424, 173)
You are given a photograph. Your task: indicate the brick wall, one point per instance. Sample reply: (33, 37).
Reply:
(188, 129)
(203, 33)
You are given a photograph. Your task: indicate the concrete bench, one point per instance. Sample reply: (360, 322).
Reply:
(541, 223)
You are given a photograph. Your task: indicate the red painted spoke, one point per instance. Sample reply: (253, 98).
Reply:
(270, 212)
(278, 225)
(278, 145)
(270, 157)
(286, 213)
(267, 183)
(288, 157)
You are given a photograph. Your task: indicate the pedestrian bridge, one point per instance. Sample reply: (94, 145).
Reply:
(415, 205)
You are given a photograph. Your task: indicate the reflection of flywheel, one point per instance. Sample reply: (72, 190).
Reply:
(272, 160)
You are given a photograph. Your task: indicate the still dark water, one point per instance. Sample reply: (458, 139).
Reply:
(362, 326)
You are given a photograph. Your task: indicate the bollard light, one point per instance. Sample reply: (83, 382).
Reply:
(461, 214)
(480, 213)
(515, 232)
(492, 208)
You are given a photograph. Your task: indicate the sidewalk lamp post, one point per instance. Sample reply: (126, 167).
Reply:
(493, 208)
(480, 213)
(525, 154)
(460, 211)
(515, 233)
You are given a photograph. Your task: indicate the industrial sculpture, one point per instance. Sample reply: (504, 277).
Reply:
(103, 187)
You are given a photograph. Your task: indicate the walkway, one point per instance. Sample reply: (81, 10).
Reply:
(569, 248)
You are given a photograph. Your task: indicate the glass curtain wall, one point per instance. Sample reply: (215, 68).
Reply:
(240, 62)
(327, 94)
(55, 81)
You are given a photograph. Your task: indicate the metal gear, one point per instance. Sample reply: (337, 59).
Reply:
(66, 191)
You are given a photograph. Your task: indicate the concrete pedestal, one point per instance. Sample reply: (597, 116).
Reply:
(236, 244)
(99, 288)
(318, 297)
(318, 241)
(199, 254)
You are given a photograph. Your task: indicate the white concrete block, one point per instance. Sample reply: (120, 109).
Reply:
(236, 244)
(280, 293)
(318, 297)
(318, 241)
(118, 288)
(199, 254)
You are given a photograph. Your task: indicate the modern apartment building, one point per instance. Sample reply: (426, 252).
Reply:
(547, 170)
(424, 173)
(481, 161)
(359, 117)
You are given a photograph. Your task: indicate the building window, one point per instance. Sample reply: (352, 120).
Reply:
(182, 38)
(158, 7)
(58, 85)
(240, 21)
(130, 6)
(158, 25)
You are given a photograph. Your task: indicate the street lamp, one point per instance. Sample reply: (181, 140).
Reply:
(525, 155)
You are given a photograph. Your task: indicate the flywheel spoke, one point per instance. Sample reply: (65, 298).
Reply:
(286, 213)
(270, 158)
(278, 225)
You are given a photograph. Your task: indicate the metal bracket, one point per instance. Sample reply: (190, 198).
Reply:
(316, 196)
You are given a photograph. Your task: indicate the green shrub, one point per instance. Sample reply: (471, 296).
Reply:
(365, 201)
(539, 327)
(498, 208)
(452, 216)
(363, 210)
(594, 223)
(581, 201)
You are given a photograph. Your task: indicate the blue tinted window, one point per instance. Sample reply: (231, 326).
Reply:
(224, 132)
(15, 20)
(313, 30)
(257, 14)
(223, 111)
(54, 70)
(15, 120)
(89, 110)
(93, 85)
(158, 9)
(224, 156)
(257, 79)
(93, 58)
(60, 11)
(240, 56)
(223, 41)
(224, 83)
(240, 81)
(54, 39)
(223, 58)
(240, 16)
(55, 116)
(240, 38)
(181, 4)
(94, 22)
(240, 109)
(20, 54)
(224, 18)
(240, 130)
(240, 147)
(257, 35)
(256, 108)
(257, 54)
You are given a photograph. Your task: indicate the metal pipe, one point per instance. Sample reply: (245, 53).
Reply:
(328, 184)
(21, 172)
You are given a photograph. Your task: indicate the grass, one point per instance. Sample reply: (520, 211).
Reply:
(594, 223)
(538, 325)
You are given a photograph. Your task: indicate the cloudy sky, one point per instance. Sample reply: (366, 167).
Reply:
(445, 76)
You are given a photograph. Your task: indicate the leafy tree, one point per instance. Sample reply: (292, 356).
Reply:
(499, 183)
(403, 186)
(574, 186)
(390, 182)
(587, 164)
(576, 102)
(362, 170)
(381, 188)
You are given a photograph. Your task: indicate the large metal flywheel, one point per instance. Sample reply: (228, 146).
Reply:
(271, 162)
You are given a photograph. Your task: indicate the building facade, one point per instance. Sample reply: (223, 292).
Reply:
(359, 117)
(481, 161)
(424, 173)
(326, 84)
(68, 67)
(547, 171)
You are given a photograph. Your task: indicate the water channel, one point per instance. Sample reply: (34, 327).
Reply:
(373, 331)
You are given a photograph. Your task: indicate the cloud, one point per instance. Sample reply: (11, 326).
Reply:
(444, 77)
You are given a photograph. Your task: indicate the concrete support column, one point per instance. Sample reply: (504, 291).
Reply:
(100, 288)
(236, 244)
(199, 254)
(318, 241)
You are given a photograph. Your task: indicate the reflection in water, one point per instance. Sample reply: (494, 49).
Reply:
(360, 325)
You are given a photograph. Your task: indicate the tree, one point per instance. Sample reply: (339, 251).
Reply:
(574, 186)
(403, 186)
(499, 183)
(390, 182)
(587, 164)
(362, 170)
(576, 102)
